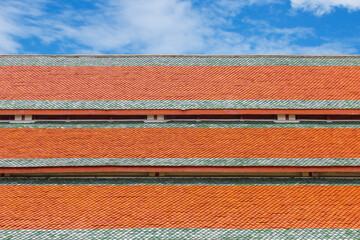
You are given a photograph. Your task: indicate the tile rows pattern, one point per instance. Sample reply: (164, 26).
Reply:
(174, 82)
(180, 208)
(179, 144)
(180, 83)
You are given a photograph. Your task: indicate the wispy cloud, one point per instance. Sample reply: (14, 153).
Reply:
(161, 26)
(320, 7)
(18, 20)
(262, 38)
(233, 7)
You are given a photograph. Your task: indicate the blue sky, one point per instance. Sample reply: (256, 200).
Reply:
(180, 27)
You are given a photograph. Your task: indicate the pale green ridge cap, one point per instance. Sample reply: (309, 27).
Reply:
(180, 104)
(183, 233)
(176, 162)
(179, 124)
(177, 60)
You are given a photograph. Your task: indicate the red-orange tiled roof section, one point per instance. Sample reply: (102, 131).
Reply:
(179, 82)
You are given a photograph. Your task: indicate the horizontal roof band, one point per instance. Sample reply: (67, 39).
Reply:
(182, 170)
(179, 104)
(182, 181)
(203, 143)
(179, 206)
(221, 162)
(181, 60)
(187, 87)
(176, 112)
(185, 124)
(188, 233)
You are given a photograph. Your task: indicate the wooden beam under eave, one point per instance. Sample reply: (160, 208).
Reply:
(178, 111)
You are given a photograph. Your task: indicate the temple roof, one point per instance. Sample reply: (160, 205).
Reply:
(179, 82)
(106, 116)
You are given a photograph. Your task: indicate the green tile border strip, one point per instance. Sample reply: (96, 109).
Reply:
(178, 60)
(163, 233)
(181, 104)
(214, 162)
(182, 124)
(153, 233)
(198, 181)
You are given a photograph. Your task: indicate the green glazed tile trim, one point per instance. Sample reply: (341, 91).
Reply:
(184, 233)
(179, 60)
(185, 124)
(181, 104)
(216, 162)
(183, 181)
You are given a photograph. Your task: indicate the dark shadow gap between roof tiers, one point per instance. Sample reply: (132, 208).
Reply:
(179, 82)
(201, 208)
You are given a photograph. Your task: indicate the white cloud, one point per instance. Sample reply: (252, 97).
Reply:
(149, 27)
(16, 21)
(153, 27)
(320, 7)
(177, 27)
(161, 26)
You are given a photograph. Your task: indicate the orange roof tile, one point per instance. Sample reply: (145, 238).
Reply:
(180, 204)
(179, 144)
(179, 82)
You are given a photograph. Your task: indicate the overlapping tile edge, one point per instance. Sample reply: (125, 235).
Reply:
(178, 60)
